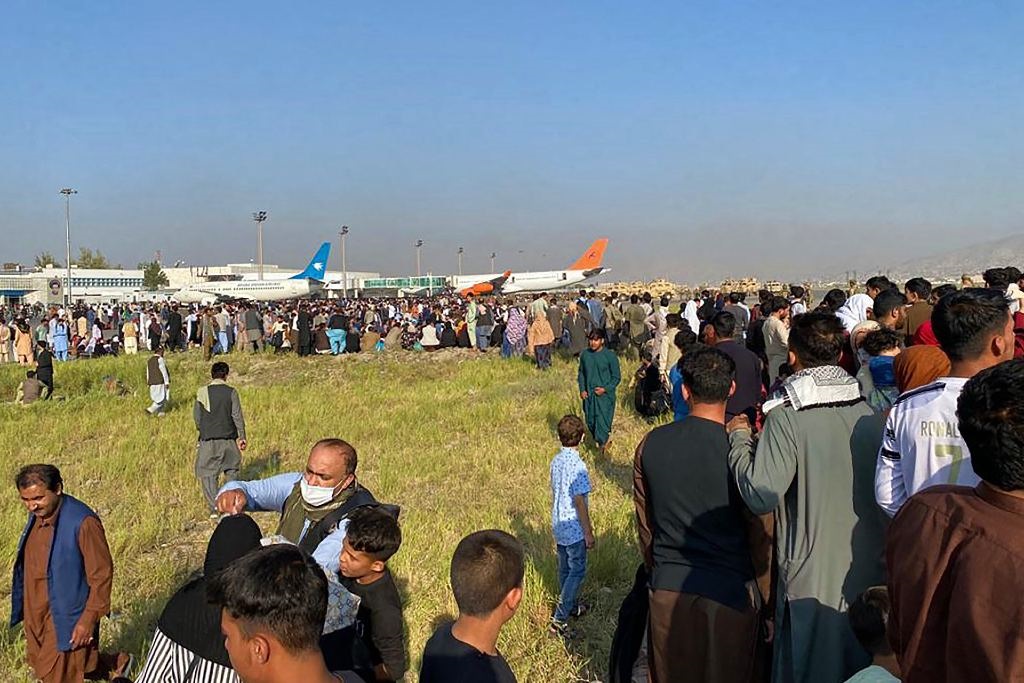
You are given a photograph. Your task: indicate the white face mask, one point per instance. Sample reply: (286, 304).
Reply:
(315, 495)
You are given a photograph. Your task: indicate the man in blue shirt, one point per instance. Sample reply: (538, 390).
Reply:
(570, 520)
(314, 504)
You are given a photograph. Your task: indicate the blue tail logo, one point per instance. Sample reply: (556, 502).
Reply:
(317, 268)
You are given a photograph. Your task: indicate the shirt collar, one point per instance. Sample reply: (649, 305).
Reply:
(570, 449)
(1001, 499)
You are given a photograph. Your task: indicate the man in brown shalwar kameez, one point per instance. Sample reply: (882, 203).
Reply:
(62, 580)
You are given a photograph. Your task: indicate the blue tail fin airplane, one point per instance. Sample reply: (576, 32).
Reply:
(307, 283)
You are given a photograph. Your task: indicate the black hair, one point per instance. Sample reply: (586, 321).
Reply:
(964, 321)
(278, 589)
(778, 303)
(673, 320)
(869, 618)
(373, 531)
(570, 430)
(30, 374)
(664, 301)
(997, 278)
(816, 339)
(219, 370)
(685, 339)
(724, 324)
(596, 333)
(834, 300)
(882, 339)
(486, 565)
(343, 448)
(879, 282)
(1013, 274)
(634, 299)
(797, 291)
(919, 287)
(991, 414)
(41, 473)
(708, 374)
(887, 301)
(943, 290)
(734, 297)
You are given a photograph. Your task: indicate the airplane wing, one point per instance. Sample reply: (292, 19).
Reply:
(489, 287)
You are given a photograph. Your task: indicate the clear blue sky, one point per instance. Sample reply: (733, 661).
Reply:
(703, 138)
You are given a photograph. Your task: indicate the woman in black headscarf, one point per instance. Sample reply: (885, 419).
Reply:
(188, 646)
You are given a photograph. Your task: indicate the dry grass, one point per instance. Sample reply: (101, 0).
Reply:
(461, 443)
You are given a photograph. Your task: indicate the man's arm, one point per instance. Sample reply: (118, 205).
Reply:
(763, 478)
(263, 495)
(328, 553)
(890, 490)
(643, 527)
(236, 414)
(163, 371)
(197, 411)
(389, 638)
(616, 372)
(99, 574)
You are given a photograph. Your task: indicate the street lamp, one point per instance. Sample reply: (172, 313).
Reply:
(493, 254)
(67, 192)
(460, 261)
(418, 245)
(259, 217)
(344, 265)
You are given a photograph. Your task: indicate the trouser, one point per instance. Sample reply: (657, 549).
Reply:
(483, 337)
(222, 339)
(159, 395)
(693, 638)
(131, 345)
(255, 338)
(572, 568)
(213, 457)
(543, 355)
(337, 338)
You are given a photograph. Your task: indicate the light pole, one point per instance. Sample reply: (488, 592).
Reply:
(493, 254)
(460, 261)
(67, 192)
(259, 217)
(419, 245)
(344, 265)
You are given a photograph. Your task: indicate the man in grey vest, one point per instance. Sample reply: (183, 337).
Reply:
(218, 415)
(159, 381)
(253, 328)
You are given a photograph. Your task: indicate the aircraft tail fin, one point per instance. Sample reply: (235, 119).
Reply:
(317, 267)
(592, 257)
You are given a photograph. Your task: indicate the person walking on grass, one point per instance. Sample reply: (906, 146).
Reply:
(218, 416)
(598, 377)
(159, 382)
(570, 521)
(62, 578)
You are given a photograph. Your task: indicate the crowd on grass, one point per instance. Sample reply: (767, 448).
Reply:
(830, 492)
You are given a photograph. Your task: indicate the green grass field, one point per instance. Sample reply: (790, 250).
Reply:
(461, 443)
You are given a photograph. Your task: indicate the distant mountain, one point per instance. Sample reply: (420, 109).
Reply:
(950, 265)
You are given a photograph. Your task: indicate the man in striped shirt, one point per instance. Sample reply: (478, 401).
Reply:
(921, 445)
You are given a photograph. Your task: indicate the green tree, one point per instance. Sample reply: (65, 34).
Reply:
(88, 259)
(45, 259)
(153, 276)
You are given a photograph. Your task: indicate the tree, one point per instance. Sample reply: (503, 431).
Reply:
(153, 276)
(88, 259)
(46, 259)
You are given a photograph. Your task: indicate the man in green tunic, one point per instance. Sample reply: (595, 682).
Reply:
(598, 377)
(814, 467)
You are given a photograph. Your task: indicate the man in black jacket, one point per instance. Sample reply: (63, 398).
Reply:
(218, 416)
(722, 334)
(174, 336)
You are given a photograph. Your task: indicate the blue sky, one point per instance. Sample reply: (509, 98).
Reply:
(705, 139)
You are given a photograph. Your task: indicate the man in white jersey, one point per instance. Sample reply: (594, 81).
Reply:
(921, 445)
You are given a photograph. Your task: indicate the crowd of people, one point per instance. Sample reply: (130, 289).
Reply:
(830, 493)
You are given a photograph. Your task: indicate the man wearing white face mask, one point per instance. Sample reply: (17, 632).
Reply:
(314, 504)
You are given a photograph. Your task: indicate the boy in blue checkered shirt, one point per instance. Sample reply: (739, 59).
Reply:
(570, 520)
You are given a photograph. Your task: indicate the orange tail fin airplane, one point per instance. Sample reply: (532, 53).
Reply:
(584, 268)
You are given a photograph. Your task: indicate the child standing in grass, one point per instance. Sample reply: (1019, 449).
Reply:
(570, 520)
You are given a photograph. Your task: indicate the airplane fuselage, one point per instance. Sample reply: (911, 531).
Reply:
(251, 290)
(537, 281)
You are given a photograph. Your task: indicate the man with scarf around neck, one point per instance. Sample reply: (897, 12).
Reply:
(814, 468)
(314, 504)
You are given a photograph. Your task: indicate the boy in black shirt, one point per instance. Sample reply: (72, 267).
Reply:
(376, 648)
(487, 580)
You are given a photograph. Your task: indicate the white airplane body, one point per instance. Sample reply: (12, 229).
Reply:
(585, 268)
(299, 286)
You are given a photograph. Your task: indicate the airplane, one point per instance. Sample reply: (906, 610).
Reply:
(586, 267)
(307, 283)
(489, 287)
